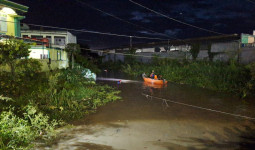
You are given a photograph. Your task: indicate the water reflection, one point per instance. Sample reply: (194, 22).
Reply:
(157, 86)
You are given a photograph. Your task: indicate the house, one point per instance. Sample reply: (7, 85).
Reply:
(10, 16)
(49, 46)
(53, 43)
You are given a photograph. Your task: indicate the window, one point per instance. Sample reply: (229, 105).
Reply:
(3, 22)
(45, 56)
(59, 40)
(49, 38)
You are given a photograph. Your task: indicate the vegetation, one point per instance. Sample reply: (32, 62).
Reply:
(195, 48)
(34, 104)
(11, 50)
(83, 61)
(130, 57)
(17, 132)
(219, 76)
(73, 49)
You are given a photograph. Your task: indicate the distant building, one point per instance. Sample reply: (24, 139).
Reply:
(10, 16)
(248, 40)
(222, 47)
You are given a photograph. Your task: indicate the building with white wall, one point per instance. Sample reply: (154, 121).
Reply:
(50, 45)
(57, 39)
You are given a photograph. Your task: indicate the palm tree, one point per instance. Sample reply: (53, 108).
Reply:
(73, 49)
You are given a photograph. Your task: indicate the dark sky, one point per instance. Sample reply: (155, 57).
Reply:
(225, 16)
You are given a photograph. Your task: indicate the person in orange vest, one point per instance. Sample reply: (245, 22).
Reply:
(155, 77)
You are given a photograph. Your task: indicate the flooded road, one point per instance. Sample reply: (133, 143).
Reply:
(144, 123)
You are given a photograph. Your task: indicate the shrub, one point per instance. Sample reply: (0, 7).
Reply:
(19, 132)
(69, 95)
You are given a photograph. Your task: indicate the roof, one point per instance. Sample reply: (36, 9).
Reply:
(45, 31)
(14, 5)
(62, 32)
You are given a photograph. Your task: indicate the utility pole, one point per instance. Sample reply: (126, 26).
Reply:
(168, 48)
(239, 52)
(130, 42)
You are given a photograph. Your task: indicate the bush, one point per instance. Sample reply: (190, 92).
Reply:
(19, 132)
(40, 101)
(27, 77)
(69, 95)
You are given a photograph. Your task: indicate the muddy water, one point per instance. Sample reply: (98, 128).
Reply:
(141, 123)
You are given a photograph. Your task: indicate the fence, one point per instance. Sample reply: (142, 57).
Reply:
(223, 51)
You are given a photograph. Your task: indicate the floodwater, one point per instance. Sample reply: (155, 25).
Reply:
(138, 122)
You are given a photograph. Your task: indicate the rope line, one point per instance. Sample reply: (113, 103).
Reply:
(198, 107)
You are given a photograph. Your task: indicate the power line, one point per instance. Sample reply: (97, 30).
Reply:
(125, 20)
(173, 19)
(97, 32)
(92, 32)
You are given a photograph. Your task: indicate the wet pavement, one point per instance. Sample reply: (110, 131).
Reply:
(138, 122)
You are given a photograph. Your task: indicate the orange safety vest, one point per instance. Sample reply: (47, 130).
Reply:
(155, 77)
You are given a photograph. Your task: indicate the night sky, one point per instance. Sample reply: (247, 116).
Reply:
(225, 16)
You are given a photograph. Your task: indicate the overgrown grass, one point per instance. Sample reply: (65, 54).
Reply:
(19, 129)
(68, 95)
(35, 105)
(219, 76)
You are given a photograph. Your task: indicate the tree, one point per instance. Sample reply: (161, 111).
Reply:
(210, 54)
(84, 49)
(73, 49)
(166, 48)
(157, 49)
(195, 48)
(129, 57)
(11, 50)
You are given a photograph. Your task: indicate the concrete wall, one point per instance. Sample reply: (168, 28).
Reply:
(39, 53)
(71, 38)
(203, 54)
(58, 54)
(54, 54)
(225, 47)
(147, 57)
(247, 55)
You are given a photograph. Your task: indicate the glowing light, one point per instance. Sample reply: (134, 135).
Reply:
(8, 11)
